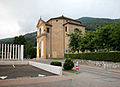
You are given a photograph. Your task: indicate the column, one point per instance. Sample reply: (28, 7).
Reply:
(44, 47)
(2, 51)
(5, 51)
(10, 50)
(37, 49)
(22, 52)
(13, 51)
(16, 52)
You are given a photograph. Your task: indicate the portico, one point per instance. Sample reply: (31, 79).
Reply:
(41, 47)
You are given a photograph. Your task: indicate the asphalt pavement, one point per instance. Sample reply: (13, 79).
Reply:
(22, 71)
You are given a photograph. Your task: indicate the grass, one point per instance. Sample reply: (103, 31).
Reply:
(70, 71)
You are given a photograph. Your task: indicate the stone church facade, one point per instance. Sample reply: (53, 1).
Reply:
(52, 41)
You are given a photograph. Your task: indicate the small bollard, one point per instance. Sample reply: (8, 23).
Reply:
(77, 68)
(105, 67)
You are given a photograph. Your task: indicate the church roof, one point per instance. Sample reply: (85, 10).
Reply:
(73, 24)
(43, 22)
(63, 17)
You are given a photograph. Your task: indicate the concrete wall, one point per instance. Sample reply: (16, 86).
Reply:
(49, 68)
(14, 62)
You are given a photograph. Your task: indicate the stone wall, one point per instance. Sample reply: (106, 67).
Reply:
(108, 65)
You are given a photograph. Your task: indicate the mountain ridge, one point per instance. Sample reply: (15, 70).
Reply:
(92, 23)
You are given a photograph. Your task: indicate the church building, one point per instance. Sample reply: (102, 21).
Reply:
(52, 41)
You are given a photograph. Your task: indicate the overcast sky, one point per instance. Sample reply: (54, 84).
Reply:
(21, 16)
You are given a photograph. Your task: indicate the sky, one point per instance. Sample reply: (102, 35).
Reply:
(18, 17)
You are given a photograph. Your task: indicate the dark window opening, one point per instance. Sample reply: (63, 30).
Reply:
(65, 29)
(40, 30)
(56, 20)
(47, 30)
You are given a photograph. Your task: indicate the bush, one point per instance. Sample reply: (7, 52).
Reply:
(56, 63)
(68, 65)
(97, 56)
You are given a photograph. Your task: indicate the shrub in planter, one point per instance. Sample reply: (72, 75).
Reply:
(56, 63)
(68, 65)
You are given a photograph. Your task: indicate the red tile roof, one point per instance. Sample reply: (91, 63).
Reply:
(63, 17)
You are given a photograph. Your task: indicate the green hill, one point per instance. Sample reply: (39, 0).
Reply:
(92, 23)
(29, 37)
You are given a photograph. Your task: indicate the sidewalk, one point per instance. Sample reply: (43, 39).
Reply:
(100, 68)
(51, 81)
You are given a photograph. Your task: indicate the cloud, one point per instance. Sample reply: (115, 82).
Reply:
(21, 16)
(8, 23)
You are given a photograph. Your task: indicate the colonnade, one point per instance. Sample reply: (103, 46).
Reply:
(11, 52)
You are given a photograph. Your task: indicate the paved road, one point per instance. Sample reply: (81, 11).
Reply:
(99, 71)
(92, 80)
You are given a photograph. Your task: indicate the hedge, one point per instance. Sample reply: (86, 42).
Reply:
(56, 63)
(97, 56)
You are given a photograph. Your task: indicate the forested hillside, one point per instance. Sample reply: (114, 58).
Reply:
(92, 23)
(31, 37)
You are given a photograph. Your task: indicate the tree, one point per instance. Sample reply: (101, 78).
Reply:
(29, 50)
(88, 41)
(115, 36)
(19, 40)
(75, 38)
(105, 38)
(108, 37)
